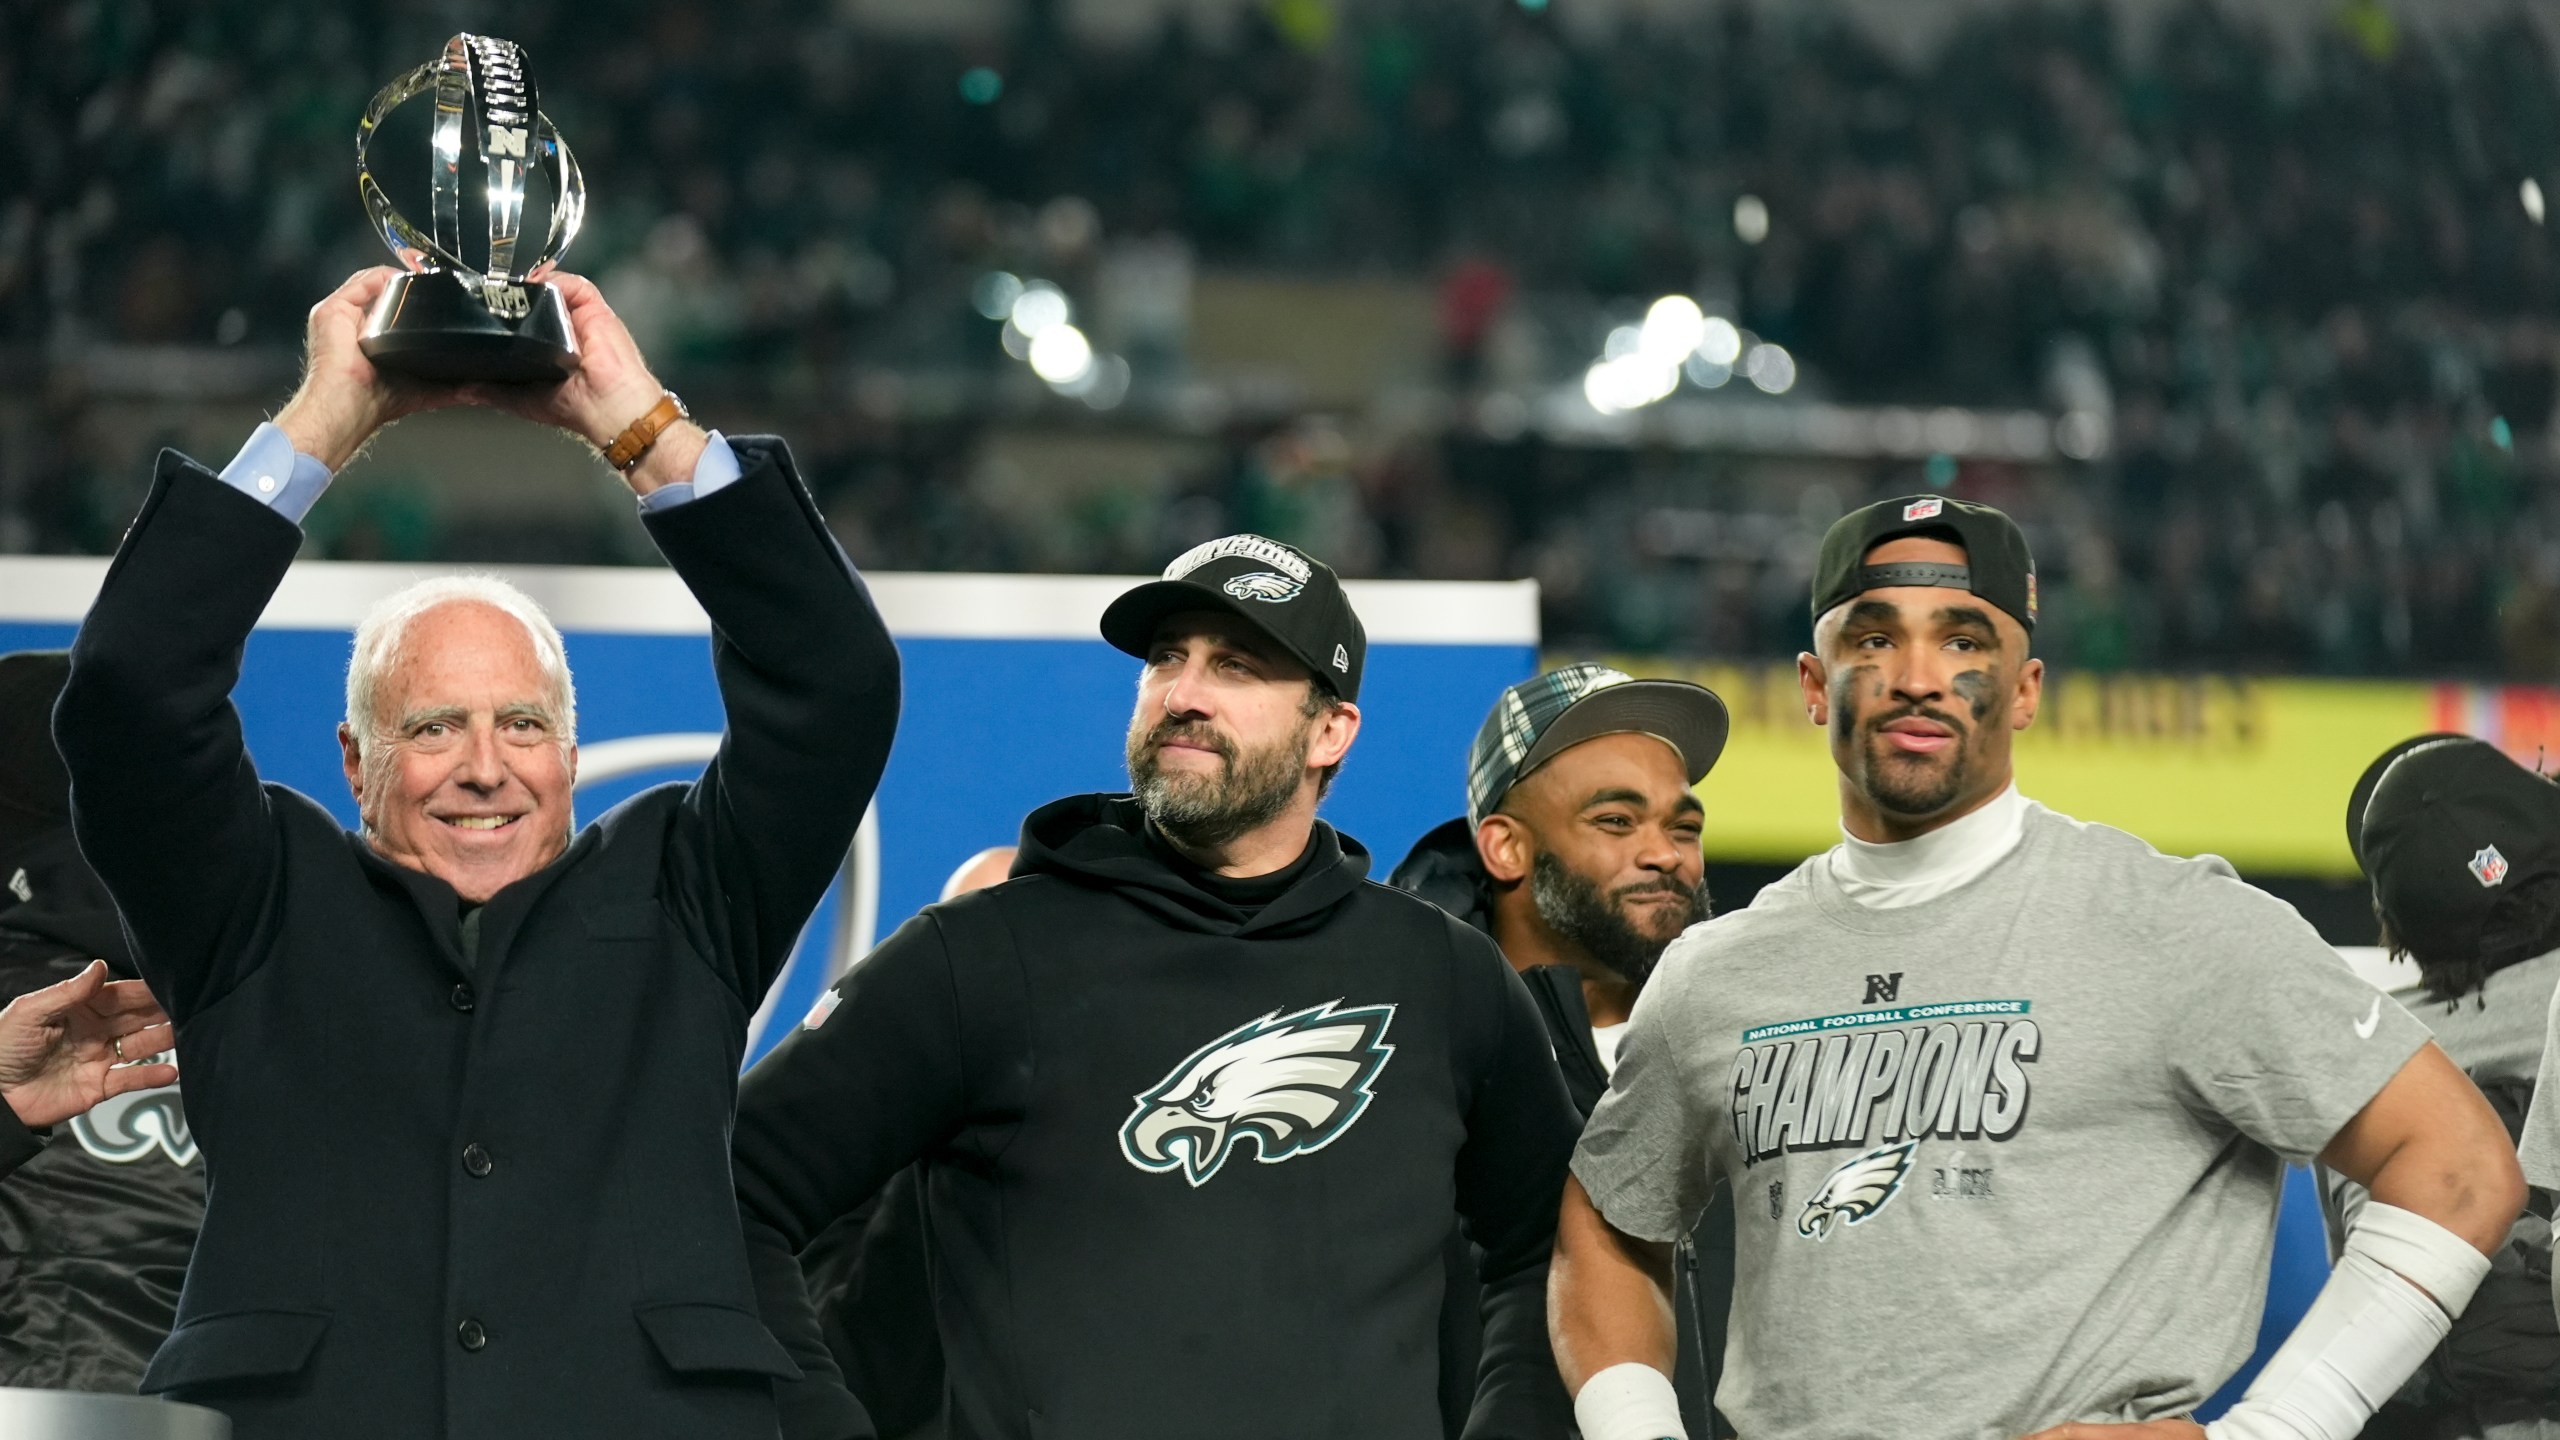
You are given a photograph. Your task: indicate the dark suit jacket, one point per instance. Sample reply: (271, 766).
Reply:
(470, 1195)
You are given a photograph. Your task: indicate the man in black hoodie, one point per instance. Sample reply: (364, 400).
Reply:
(1195, 1104)
(1579, 854)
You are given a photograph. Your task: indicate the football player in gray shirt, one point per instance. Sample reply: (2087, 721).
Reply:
(2539, 1147)
(2005, 1098)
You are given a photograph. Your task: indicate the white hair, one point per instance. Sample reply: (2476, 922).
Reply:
(386, 626)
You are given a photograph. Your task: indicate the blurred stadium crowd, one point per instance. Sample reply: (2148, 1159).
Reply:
(2303, 293)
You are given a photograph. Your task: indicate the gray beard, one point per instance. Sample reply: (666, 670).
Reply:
(1574, 908)
(1204, 812)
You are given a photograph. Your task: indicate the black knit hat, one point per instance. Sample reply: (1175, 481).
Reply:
(1996, 567)
(2447, 828)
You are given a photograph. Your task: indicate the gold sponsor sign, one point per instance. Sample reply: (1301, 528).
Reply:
(2255, 770)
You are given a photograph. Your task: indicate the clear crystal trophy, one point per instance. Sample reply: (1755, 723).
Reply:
(447, 319)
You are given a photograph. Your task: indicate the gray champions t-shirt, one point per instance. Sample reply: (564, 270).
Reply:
(2001, 1160)
(2539, 1147)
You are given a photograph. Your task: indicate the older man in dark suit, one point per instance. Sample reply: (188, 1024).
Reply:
(464, 1080)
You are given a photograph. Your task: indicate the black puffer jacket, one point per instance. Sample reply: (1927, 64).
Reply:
(1443, 868)
(95, 1229)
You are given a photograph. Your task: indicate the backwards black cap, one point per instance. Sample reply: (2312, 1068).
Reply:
(1279, 589)
(2447, 827)
(1996, 566)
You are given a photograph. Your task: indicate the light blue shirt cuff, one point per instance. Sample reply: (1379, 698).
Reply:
(270, 471)
(717, 467)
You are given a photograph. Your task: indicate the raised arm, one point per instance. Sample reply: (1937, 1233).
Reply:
(809, 681)
(808, 675)
(164, 799)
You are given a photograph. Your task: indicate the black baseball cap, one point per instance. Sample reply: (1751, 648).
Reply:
(1544, 715)
(1997, 566)
(2446, 827)
(1279, 589)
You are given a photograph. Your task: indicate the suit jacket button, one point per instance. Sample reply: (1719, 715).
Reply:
(462, 998)
(473, 1338)
(476, 1159)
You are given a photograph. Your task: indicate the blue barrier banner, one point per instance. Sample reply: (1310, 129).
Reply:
(1012, 700)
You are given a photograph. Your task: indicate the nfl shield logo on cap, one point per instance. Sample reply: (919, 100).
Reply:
(2488, 867)
(1927, 507)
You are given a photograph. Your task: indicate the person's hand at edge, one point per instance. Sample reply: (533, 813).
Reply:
(65, 1048)
(343, 400)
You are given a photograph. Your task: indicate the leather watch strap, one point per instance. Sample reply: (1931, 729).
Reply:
(634, 441)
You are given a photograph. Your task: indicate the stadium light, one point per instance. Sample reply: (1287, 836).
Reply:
(1041, 307)
(995, 293)
(1770, 367)
(1751, 219)
(1061, 355)
(1719, 342)
(1672, 328)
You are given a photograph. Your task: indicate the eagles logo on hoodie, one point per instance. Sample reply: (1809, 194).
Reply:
(1290, 1083)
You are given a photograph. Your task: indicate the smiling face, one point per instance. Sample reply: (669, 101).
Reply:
(1607, 835)
(1923, 688)
(1230, 733)
(468, 775)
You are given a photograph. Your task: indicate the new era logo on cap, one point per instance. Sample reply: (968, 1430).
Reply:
(2488, 867)
(1342, 659)
(1927, 507)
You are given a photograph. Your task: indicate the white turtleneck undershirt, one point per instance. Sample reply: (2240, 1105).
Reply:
(1908, 872)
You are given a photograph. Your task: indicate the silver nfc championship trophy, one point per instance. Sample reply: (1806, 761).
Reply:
(447, 320)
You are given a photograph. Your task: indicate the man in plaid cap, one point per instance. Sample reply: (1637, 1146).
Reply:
(1579, 854)
(2004, 1099)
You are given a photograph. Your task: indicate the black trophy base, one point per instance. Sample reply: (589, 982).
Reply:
(428, 327)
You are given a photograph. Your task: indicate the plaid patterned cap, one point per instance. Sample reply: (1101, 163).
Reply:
(1542, 716)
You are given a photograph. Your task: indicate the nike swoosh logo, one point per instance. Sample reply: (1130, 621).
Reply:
(2373, 1017)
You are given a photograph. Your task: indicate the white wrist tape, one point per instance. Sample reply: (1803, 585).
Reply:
(2370, 1329)
(1629, 1402)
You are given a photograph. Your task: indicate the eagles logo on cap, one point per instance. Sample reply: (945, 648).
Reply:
(1276, 588)
(1263, 585)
